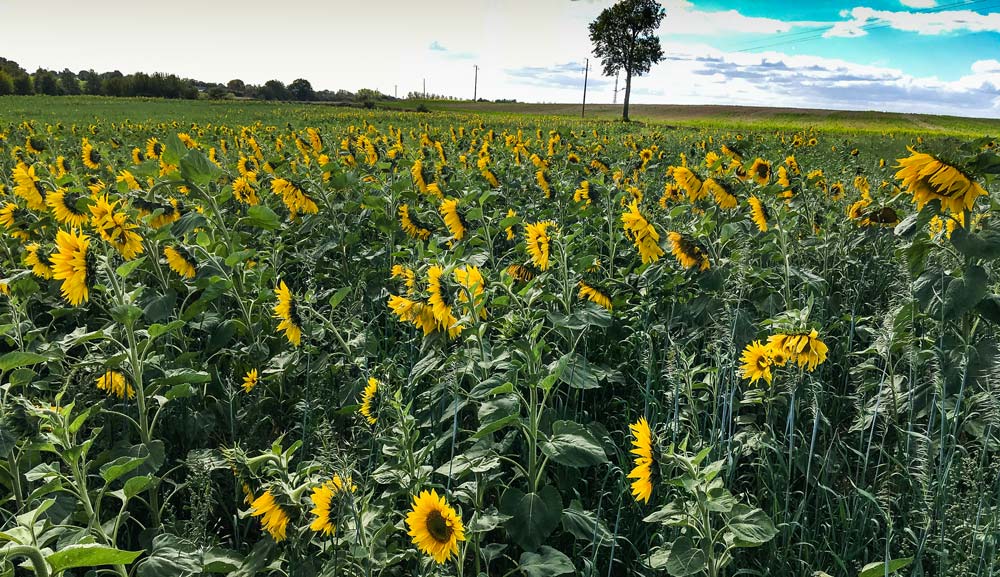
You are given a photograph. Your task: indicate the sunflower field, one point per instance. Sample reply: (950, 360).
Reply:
(375, 343)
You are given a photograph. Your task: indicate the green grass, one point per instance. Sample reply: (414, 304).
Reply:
(86, 109)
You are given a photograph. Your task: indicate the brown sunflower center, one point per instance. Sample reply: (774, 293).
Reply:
(439, 527)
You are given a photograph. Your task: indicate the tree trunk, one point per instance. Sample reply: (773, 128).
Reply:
(628, 92)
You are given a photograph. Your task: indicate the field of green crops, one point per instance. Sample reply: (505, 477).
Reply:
(250, 339)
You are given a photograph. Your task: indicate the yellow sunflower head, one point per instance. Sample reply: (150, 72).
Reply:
(434, 526)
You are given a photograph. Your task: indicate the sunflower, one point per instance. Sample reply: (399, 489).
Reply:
(35, 145)
(295, 199)
(63, 205)
(129, 179)
(250, 380)
(69, 264)
(510, 229)
(520, 272)
(324, 506)
(247, 166)
(417, 172)
(582, 194)
(137, 156)
(642, 486)
(63, 166)
(594, 295)
(928, 178)
(689, 182)
(536, 239)
(732, 153)
(756, 362)
(452, 218)
(760, 171)
(723, 197)
(805, 348)
(91, 158)
(438, 300)
(39, 263)
(473, 282)
(275, 519)
(368, 409)
(837, 190)
(113, 383)
(543, 183)
(435, 527)
(180, 261)
(11, 217)
(243, 191)
(116, 230)
(412, 228)
(643, 233)
(29, 187)
(154, 148)
(758, 213)
(688, 252)
(287, 311)
(417, 313)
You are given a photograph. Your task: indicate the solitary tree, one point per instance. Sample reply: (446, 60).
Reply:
(624, 39)
(301, 89)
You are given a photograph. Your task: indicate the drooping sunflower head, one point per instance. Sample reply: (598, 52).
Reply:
(452, 218)
(369, 406)
(688, 253)
(274, 518)
(721, 193)
(113, 383)
(439, 300)
(434, 526)
(642, 233)
(758, 213)
(594, 295)
(411, 226)
(805, 348)
(180, 261)
(35, 144)
(927, 178)
(537, 243)
(644, 471)
(287, 311)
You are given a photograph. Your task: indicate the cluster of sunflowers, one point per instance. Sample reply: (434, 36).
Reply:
(473, 218)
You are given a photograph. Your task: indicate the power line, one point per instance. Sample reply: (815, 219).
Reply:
(811, 34)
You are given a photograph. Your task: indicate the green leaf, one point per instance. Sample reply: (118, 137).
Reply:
(548, 562)
(751, 527)
(985, 246)
(533, 516)
(157, 330)
(881, 568)
(339, 296)
(120, 466)
(181, 376)
(136, 485)
(496, 425)
(685, 558)
(586, 526)
(571, 444)
(171, 557)
(20, 359)
(197, 168)
(263, 217)
(127, 268)
(89, 555)
(576, 372)
(965, 293)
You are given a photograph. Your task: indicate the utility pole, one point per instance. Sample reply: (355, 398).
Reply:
(395, 89)
(425, 88)
(475, 83)
(586, 71)
(614, 99)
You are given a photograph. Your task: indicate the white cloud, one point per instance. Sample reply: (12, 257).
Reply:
(926, 23)
(919, 3)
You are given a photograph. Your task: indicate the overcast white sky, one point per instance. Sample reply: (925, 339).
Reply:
(904, 55)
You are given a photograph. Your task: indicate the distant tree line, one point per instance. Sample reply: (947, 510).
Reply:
(16, 80)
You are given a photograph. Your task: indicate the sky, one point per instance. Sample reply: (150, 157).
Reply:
(929, 56)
